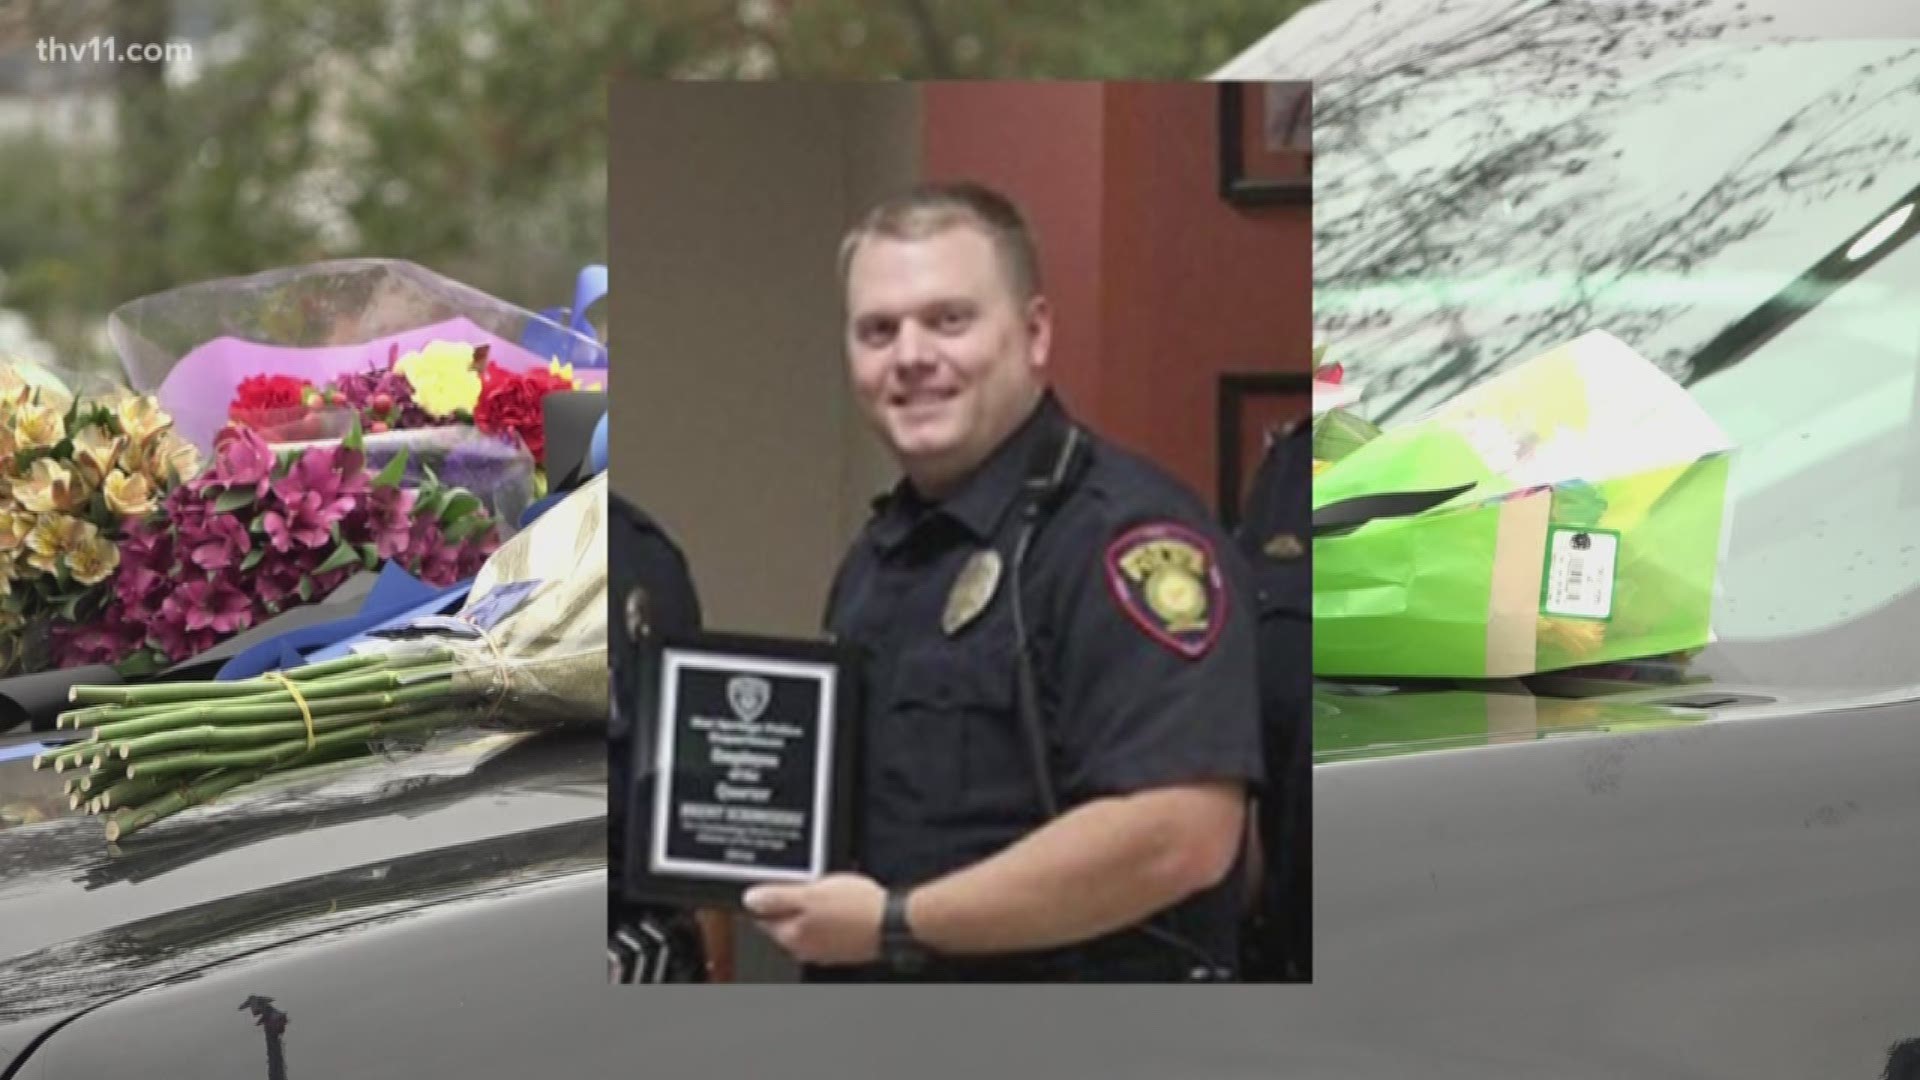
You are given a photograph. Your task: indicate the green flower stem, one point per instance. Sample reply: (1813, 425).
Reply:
(282, 752)
(212, 785)
(127, 822)
(99, 777)
(68, 759)
(230, 736)
(284, 708)
(83, 717)
(161, 693)
(127, 793)
(353, 683)
(190, 698)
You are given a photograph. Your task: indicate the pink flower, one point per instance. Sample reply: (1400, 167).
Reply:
(304, 522)
(146, 565)
(241, 459)
(387, 520)
(434, 560)
(223, 542)
(106, 640)
(209, 605)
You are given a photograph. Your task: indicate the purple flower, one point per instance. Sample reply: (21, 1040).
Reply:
(241, 459)
(221, 543)
(299, 525)
(276, 580)
(359, 388)
(146, 564)
(434, 560)
(209, 605)
(385, 520)
(106, 640)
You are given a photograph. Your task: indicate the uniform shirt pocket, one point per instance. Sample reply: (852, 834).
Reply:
(953, 732)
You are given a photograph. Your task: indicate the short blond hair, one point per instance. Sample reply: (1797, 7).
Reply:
(930, 209)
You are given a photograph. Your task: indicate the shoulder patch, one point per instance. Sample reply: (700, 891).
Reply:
(1165, 577)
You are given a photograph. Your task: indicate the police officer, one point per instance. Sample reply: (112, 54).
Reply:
(1073, 809)
(653, 593)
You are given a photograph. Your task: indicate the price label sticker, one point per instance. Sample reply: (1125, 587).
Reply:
(1580, 568)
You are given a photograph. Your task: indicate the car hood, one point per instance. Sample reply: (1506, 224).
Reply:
(81, 920)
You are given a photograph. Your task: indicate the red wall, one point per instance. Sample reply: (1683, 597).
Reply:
(1159, 285)
(1040, 143)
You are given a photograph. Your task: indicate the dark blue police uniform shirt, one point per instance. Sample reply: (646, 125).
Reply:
(1137, 691)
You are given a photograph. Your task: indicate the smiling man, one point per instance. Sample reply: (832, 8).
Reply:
(1076, 817)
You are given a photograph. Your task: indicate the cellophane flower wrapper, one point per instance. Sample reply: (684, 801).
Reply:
(530, 643)
(193, 345)
(1592, 532)
(499, 470)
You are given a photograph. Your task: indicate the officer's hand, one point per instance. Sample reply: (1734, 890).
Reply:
(835, 920)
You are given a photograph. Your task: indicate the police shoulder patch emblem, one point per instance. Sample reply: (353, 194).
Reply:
(1166, 578)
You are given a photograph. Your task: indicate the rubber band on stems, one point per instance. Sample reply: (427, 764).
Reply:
(306, 714)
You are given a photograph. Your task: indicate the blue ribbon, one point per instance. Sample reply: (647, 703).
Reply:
(395, 593)
(564, 333)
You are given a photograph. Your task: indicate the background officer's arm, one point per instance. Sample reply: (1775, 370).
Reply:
(1157, 728)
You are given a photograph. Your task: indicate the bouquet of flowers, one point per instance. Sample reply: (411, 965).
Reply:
(259, 532)
(390, 341)
(1566, 513)
(445, 382)
(528, 649)
(76, 476)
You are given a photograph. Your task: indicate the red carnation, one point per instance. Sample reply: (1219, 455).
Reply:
(266, 395)
(510, 401)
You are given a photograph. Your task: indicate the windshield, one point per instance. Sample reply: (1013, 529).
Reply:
(1495, 178)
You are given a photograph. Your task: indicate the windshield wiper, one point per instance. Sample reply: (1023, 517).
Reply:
(1856, 255)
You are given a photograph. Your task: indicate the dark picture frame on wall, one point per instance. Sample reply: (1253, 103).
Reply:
(1266, 143)
(1250, 407)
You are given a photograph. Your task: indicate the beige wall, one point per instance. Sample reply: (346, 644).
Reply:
(731, 421)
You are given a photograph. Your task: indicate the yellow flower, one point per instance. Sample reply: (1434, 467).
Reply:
(54, 536)
(561, 371)
(48, 487)
(164, 458)
(93, 560)
(14, 527)
(36, 425)
(179, 460)
(95, 450)
(442, 377)
(141, 416)
(128, 494)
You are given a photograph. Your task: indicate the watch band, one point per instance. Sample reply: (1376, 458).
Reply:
(898, 947)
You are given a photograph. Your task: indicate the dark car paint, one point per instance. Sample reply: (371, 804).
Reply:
(82, 923)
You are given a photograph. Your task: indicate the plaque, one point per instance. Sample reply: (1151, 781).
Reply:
(743, 771)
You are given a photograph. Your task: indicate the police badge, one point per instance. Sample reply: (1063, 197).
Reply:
(972, 591)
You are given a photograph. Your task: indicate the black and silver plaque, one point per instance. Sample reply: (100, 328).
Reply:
(744, 769)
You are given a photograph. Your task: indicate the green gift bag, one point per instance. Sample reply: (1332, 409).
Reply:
(1569, 512)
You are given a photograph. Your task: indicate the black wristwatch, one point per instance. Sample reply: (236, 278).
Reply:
(898, 947)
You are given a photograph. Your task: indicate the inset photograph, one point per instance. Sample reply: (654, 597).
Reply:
(960, 538)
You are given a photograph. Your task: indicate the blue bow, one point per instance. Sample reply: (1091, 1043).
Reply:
(564, 333)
